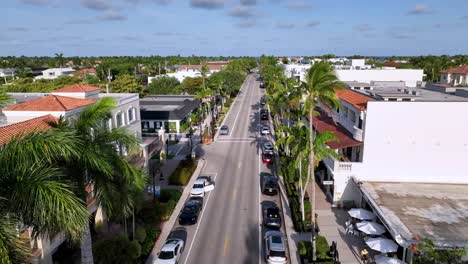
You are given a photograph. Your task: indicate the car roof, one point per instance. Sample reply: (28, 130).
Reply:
(199, 181)
(275, 240)
(192, 202)
(270, 178)
(224, 126)
(170, 245)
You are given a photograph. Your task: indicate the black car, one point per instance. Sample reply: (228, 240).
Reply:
(269, 184)
(272, 217)
(264, 114)
(263, 101)
(190, 212)
(262, 85)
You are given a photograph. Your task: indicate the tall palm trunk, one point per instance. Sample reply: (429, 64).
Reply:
(302, 190)
(87, 247)
(312, 181)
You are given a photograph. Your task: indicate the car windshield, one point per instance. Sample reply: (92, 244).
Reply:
(272, 213)
(224, 127)
(268, 146)
(197, 185)
(274, 253)
(267, 156)
(166, 255)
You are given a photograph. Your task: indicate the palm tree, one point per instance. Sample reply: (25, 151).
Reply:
(319, 86)
(60, 59)
(5, 98)
(101, 163)
(36, 192)
(297, 141)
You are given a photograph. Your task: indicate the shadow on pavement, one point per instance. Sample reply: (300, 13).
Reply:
(251, 245)
(180, 233)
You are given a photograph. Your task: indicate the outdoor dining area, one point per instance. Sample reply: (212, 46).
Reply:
(363, 225)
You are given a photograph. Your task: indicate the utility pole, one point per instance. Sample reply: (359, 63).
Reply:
(109, 79)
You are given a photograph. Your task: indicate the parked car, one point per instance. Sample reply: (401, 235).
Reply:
(267, 158)
(264, 114)
(272, 216)
(265, 130)
(275, 248)
(269, 183)
(224, 130)
(263, 101)
(201, 186)
(267, 147)
(170, 252)
(190, 212)
(262, 85)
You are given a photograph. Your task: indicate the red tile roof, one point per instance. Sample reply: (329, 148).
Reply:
(324, 123)
(359, 101)
(391, 63)
(53, 103)
(77, 88)
(36, 124)
(83, 72)
(459, 70)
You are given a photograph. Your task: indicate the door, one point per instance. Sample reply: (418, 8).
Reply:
(209, 186)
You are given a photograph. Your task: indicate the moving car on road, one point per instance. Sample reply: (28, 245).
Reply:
(271, 216)
(170, 252)
(269, 183)
(201, 186)
(265, 130)
(190, 212)
(275, 248)
(224, 130)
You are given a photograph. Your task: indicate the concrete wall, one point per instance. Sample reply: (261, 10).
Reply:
(410, 77)
(416, 142)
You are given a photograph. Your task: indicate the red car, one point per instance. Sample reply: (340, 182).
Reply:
(267, 158)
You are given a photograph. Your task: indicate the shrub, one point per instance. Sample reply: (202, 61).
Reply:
(305, 250)
(169, 194)
(116, 250)
(183, 173)
(322, 249)
(147, 245)
(140, 234)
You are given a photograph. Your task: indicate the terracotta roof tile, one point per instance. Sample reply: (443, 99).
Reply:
(356, 99)
(83, 72)
(77, 88)
(459, 70)
(324, 123)
(36, 124)
(53, 103)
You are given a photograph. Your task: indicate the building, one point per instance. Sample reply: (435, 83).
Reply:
(54, 73)
(34, 111)
(192, 71)
(410, 77)
(83, 72)
(166, 112)
(296, 70)
(7, 72)
(457, 76)
(353, 64)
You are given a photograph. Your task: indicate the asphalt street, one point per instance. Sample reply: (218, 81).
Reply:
(229, 228)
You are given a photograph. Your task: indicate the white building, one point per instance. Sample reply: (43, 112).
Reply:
(7, 72)
(410, 77)
(192, 71)
(455, 76)
(296, 70)
(54, 73)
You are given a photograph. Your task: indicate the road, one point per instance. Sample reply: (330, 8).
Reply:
(229, 229)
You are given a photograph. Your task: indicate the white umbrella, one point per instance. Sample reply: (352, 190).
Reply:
(371, 228)
(382, 245)
(386, 260)
(362, 214)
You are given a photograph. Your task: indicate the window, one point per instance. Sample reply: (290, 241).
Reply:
(145, 125)
(345, 112)
(392, 99)
(119, 119)
(352, 116)
(131, 114)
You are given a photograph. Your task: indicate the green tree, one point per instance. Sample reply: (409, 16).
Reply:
(164, 85)
(319, 86)
(192, 85)
(36, 192)
(125, 83)
(426, 252)
(91, 79)
(118, 250)
(114, 179)
(60, 59)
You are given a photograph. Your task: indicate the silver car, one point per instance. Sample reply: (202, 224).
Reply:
(224, 130)
(275, 248)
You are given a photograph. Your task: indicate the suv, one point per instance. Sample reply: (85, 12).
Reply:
(275, 249)
(201, 186)
(269, 183)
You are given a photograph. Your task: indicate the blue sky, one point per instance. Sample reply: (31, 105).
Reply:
(233, 27)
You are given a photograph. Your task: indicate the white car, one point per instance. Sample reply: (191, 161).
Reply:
(265, 130)
(201, 186)
(275, 249)
(170, 252)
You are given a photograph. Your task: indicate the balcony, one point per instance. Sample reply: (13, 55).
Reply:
(356, 132)
(342, 167)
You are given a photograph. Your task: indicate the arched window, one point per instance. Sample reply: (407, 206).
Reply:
(131, 114)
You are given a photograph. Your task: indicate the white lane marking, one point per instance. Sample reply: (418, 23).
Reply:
(240, 108)
(200, 220)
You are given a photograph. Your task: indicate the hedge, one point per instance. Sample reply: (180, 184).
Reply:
(169, 194)
(183, 173)
(322, 250)
(147, 245)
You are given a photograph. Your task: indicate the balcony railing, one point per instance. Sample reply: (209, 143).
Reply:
(342, 166)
